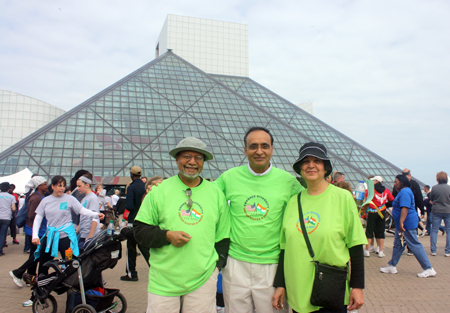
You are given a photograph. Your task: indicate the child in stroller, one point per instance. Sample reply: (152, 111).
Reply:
(81, 274)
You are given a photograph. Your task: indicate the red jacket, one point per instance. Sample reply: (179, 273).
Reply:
(380, 199)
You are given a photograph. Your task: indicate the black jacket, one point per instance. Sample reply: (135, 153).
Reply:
(134, 195)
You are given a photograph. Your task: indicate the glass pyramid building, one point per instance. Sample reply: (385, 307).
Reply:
(137, 120)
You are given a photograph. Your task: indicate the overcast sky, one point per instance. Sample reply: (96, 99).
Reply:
(374, 70)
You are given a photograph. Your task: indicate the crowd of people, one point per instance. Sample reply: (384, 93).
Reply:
(267, 232)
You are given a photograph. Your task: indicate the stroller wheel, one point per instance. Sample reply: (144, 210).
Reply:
(84, 308)
(48, 305)
(120, 304)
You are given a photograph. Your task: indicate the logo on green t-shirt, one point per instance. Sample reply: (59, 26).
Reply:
(256, 207)
(191, 216)
(312, 221)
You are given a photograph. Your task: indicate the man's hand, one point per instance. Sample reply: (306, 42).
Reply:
(36, 241)
(278, 298)
(356, 299)
(178, 238)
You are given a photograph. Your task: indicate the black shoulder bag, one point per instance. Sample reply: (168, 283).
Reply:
(329, 281)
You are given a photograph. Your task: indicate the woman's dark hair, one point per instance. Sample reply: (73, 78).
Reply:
(55, 181)
(403, 180)
(73, 181)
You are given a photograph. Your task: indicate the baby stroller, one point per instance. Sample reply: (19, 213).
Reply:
(389, 221)
(80, 274)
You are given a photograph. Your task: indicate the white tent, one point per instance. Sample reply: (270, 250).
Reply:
(19, 179)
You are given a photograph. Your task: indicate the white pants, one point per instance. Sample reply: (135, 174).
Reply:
(202, 300)
(249, 286)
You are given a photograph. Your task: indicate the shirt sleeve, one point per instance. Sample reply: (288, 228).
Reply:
(75, 205)
(296, 187)
(93, 205)
(403, 200)
(129, 202)
(31, 208)
(431, 195)
(223, 224)
(36, 225)
(38, 220)
(390, 197)
(283, 225)
(148, 212)
(221, 184)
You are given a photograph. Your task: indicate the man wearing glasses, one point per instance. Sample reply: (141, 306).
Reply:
(185, 223)
(258, 194)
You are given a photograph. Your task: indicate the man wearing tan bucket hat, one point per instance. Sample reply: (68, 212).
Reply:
(185, 223)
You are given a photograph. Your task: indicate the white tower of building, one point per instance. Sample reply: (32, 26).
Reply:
(215, 47)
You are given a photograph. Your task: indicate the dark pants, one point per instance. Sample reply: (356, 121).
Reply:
(4, 224)
(323, 310)
(131, 256)
(27, 244)
(12, 226)
(375, 225)
(30, 265)
(63, 245)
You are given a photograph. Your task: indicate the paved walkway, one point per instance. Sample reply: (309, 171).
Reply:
(403, 292)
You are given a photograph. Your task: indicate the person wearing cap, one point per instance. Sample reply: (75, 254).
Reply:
(334, 230)
(7, 207)
(135, 192)
(258, 193)
(185, 223)
(375, 223)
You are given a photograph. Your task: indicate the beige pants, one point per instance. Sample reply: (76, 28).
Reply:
(248, 287)
(202, 300)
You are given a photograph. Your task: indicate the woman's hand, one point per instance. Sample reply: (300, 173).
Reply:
(278, 298)
(101, 216)
(356, 299)
(36, 241)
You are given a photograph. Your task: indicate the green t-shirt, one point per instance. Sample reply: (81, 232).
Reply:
(257, 205)
(333, 226)
(179, 271)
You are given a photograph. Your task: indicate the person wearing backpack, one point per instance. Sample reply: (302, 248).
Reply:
(39, 187)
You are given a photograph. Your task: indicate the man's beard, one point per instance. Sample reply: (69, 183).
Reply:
(190, 176)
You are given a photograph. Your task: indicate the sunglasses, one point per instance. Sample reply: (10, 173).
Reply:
(189, 201)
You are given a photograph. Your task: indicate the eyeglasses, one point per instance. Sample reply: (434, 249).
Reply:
(189, 201)
(188, 157)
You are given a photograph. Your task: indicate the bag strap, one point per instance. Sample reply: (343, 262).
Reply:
(302, 224)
